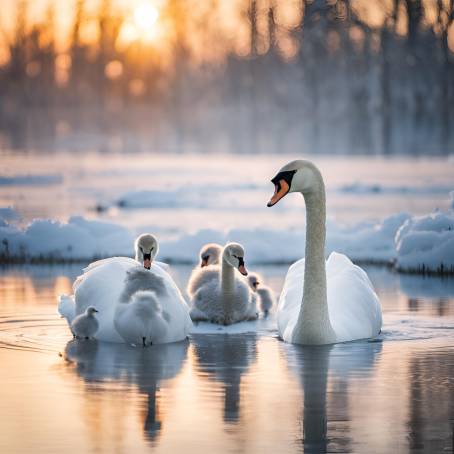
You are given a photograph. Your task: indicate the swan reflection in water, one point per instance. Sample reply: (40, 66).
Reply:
(226, 358)
(144, 367)
(315, 366)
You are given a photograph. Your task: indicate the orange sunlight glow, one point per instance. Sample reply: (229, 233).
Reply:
(145, 16)
(141, 25)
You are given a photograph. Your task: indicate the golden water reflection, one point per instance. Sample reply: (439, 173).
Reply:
(237, 393)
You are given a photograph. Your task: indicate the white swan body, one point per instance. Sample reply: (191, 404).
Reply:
(226, 299)
(110, 282)
(353, 307)
(207, 270)
(67, 308)
(141, 321)
(104, 286)
(322, 303)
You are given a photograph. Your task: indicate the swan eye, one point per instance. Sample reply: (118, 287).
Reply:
(286, 175)
(141, 250)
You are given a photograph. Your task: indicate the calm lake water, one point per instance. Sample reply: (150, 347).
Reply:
(215, 393)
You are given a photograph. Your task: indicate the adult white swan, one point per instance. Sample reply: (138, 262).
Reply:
(226, 298)
(321, 303)
(110, 284)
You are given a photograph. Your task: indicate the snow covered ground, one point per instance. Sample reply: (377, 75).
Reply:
(85, 205)
(426, 243)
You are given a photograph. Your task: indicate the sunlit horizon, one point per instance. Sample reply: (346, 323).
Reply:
(230, 75)
(153, 22)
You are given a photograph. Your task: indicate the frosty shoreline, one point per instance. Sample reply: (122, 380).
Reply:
(416, 244)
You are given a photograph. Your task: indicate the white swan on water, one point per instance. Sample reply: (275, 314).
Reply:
(321, 302)
(209, 269)
(112, 284)
(226, 298)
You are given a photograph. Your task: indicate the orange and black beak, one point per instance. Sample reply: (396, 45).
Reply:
(205, 259)
(281, 189)
(147, 261)
(282, 182)
(241, 268)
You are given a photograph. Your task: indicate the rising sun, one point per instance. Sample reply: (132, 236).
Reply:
(141, 25)
(145, 16)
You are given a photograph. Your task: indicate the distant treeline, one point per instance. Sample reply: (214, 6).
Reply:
(349, 87)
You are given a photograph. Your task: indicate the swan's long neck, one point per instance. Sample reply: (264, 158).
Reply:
(227, 286)
(313, 325)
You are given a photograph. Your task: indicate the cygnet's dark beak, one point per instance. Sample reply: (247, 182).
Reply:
(241, 268)
(147, 261)
(205, 259)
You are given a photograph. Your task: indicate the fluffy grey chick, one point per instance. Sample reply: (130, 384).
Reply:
(140, 279)
(265, 294)
(208, 268)
(142, 320)
(85, 325)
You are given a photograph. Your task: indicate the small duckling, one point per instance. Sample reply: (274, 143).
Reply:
(265, 294)
(85, 325)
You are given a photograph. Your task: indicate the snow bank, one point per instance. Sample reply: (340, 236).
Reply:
(426, 244)
(84, 239)
(421, 244)
(363, 242)
(372, 242)
(75, 240)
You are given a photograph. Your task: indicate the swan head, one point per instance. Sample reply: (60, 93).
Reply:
(209, 254)
(91, 310)
(233, 254)
(146, 247)
(296, 176)
(254, 281)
